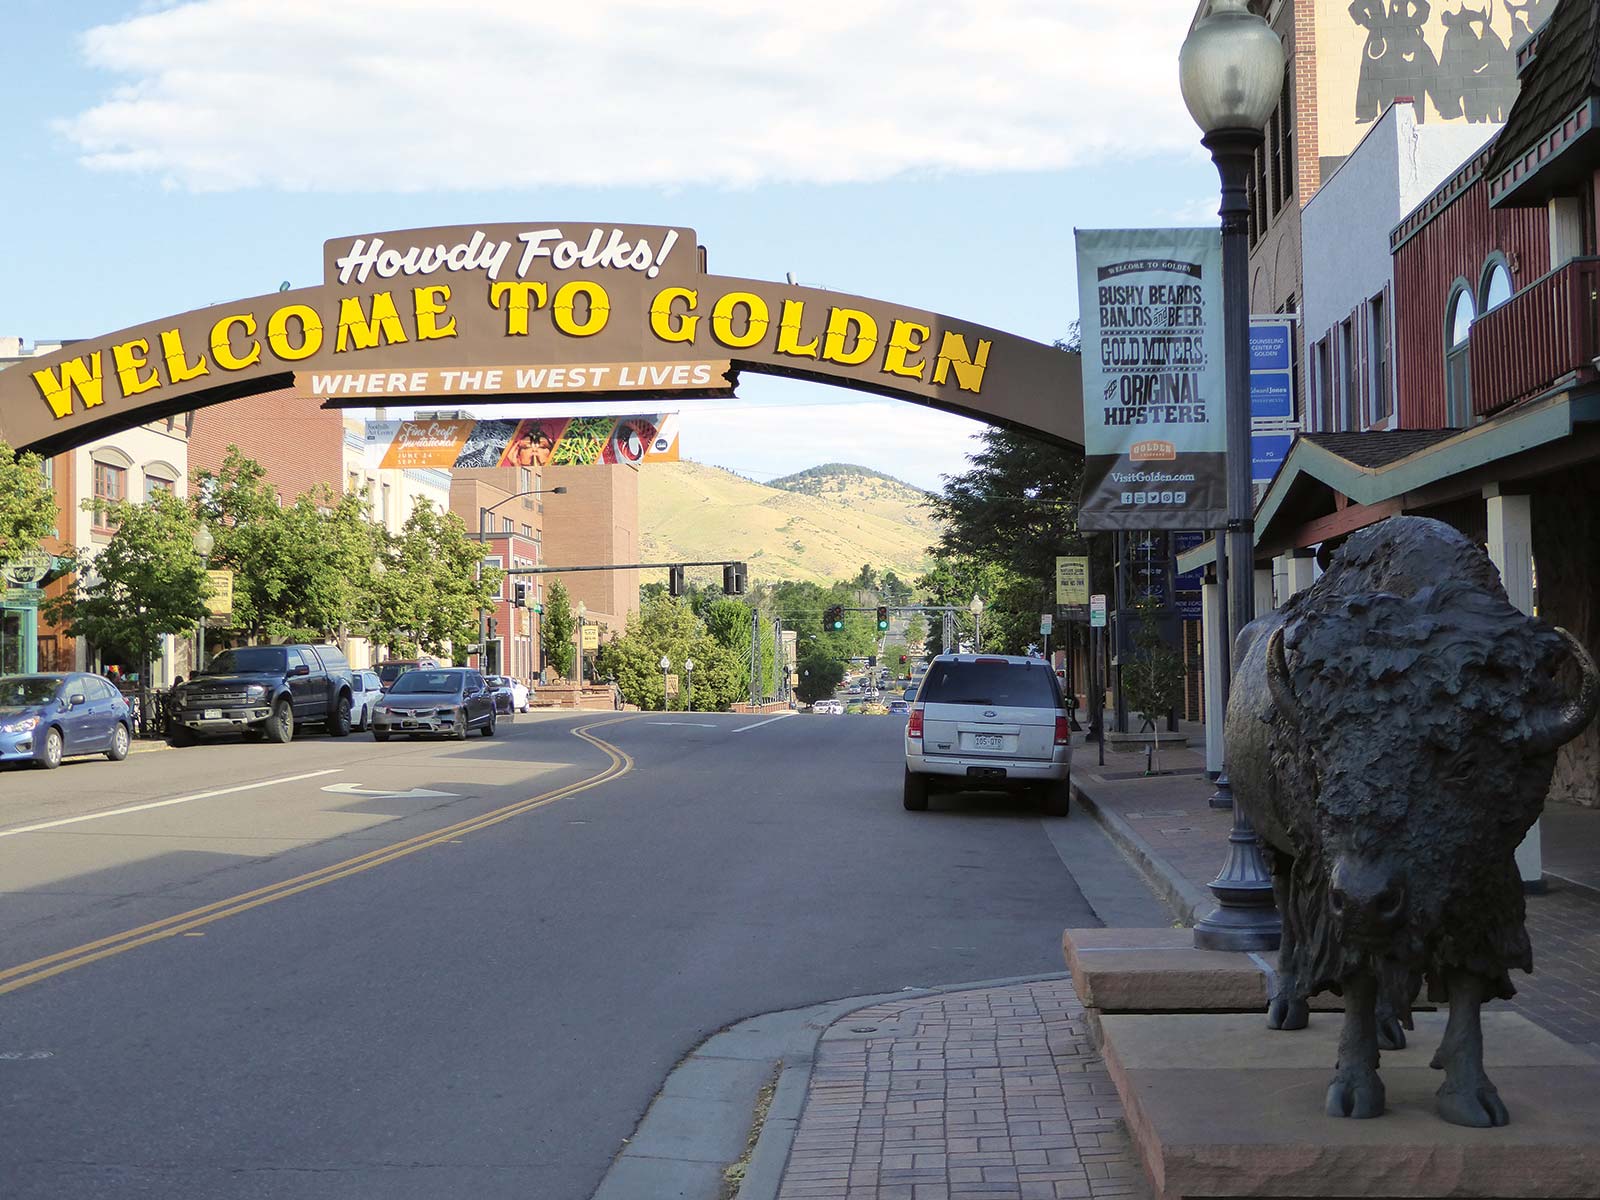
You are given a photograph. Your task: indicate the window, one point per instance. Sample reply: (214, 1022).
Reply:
(526, 484)
(1253, 198)
(1458, 380)
(1382, 391)
(154, 484)
(110, 483)
(506, 525)
(1286, 107)
(355, 481)
(527, 531)
(1324, 387)
(1275, 148)
(1349, 377)
(388, 509)
(1496, 284)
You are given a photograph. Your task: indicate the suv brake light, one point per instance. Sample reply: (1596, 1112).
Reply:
(1063, 732)
(914, 723)
(1002, 662)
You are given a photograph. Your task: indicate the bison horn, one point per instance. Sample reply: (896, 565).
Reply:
(1278, 678)
(1573, 716)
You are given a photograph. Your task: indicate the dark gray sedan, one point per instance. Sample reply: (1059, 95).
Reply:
(441, 701)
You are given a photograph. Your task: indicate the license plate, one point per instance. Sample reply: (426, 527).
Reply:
(408, 724)
(987, 741)
(213, 714)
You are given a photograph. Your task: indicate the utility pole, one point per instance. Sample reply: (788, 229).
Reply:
(755, 657)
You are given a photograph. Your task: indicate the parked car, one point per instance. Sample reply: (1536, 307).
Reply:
(510, 695)
(899, 708)
(45, 718)
(832, 708)
(449, 701)
(265, 691)
(989, 721)
(366, 691)
(389, 671)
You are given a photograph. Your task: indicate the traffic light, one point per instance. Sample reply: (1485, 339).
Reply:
(872, 660)
(833, 619)
(733, 579)
(883, 618)
(494, 628)
(675, 581)
(519, 595)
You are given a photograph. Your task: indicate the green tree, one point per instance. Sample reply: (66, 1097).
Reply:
(27, 502)
(430, 590)
(916, 633)
(145, 583)
(820, 672)
(556, 629)
(666, 626)
(867, 578)
(1152, 679)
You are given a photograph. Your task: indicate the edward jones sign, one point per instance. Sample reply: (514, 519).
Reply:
(529, 311)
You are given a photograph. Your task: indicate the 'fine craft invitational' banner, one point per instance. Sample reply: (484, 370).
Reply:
(528, 442)
(1153, 379)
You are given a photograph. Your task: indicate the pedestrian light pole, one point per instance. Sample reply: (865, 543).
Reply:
(204, 543)
(666, 666)
(976, 609)
(583, 610)
(1230, 70)
(688, 671)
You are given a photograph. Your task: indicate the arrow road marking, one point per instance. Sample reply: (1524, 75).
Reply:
(355, 789)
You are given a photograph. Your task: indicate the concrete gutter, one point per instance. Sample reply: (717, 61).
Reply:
(1188, 901)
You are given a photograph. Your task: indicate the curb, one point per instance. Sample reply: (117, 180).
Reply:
(1189, 902)
(742, 1057)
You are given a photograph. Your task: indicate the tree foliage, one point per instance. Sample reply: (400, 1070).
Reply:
(1152, 678)
(27, 502)
(556, 629)
(431, 589)
(667, 626)
(820, 673)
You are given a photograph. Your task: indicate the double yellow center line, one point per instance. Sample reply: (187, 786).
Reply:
(20, 976)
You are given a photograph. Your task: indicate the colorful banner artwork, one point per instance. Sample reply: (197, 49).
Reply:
(1155, 435)
(525, 442)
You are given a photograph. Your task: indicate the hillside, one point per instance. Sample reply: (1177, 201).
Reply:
(692, 511)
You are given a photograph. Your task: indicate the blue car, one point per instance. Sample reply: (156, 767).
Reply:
(45, 718)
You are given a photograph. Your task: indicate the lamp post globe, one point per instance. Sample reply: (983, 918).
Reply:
(204, 540)
(976, 609)
(688, 670)
(1230, 69)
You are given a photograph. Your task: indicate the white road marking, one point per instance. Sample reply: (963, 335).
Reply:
(768, 721)
(689, 724)
(133, 808)
(355, 789)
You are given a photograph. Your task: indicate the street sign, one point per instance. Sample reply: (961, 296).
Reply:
(1046, 622)
(220, 602)
(591, 637)
(29, 596)
(1097, 612)
(538, 608)
(1271, 368)
(1072, 581)
(27, 568)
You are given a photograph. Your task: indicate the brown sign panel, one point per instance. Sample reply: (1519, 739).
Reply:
(424, 309)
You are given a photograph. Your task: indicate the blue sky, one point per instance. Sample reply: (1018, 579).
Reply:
(163, 156)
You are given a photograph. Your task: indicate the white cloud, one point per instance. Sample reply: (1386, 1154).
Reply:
(410, 95)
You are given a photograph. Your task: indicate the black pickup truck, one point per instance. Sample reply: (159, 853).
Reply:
(264, 690)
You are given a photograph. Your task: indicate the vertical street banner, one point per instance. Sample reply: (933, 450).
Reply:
(1072, 581)
(1154, 422)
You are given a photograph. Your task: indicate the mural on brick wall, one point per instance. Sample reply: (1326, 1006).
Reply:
(1455, 58)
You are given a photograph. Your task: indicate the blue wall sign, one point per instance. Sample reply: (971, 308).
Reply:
(1271, 368)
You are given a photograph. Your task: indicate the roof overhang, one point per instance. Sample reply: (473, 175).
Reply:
(1561, 158)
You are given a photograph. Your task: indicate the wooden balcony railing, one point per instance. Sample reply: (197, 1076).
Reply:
(1547, 334)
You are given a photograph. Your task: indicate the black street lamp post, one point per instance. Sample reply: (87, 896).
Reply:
(1231, 72)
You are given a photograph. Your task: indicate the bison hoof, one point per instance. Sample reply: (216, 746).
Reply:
(1288, 1012)
(1356, 1094)
(1391, 1034)
(1477, 1107)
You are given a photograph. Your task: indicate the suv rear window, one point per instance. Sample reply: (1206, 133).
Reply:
(1001, 684)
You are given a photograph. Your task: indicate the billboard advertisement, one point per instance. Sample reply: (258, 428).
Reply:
(523, 442)
(1154, 425)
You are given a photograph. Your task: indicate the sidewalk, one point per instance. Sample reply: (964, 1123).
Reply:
(996, 1092)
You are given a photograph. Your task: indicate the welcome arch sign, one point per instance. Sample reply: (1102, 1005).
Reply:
(484, 313)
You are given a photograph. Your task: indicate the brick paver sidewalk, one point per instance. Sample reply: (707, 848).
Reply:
(992, 1093)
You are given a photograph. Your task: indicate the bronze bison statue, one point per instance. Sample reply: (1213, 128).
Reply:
(1391, 733)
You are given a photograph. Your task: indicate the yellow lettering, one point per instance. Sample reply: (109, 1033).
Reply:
(865, 331)
(756, 319)
(671, 326)
(310, 332)
(566, 316)
(953, 352)
(222, 343)
(430, 302)
(57, 386)
(789, 331)
(367, 332)
(129, 359)
(517, 310)
(179, 371)
(905, 338)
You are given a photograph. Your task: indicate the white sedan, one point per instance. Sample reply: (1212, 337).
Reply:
(831, 708)
(520, 700)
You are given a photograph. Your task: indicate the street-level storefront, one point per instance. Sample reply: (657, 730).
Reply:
(22, 580)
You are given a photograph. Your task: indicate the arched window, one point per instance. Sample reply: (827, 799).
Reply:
(1457, 379)
(1496, 288)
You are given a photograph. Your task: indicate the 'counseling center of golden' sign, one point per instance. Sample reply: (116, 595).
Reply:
(443, 308)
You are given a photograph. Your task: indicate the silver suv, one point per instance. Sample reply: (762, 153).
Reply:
(986, 721)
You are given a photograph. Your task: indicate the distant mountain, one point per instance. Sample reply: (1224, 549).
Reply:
(819, 525)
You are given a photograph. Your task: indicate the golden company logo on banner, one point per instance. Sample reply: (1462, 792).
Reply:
(505, 311)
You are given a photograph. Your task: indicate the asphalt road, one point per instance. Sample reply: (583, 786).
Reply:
(270, 989)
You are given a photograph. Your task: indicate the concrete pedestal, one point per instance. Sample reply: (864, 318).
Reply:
(1218, 1105)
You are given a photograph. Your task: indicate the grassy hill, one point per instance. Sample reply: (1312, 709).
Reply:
(853, 516)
